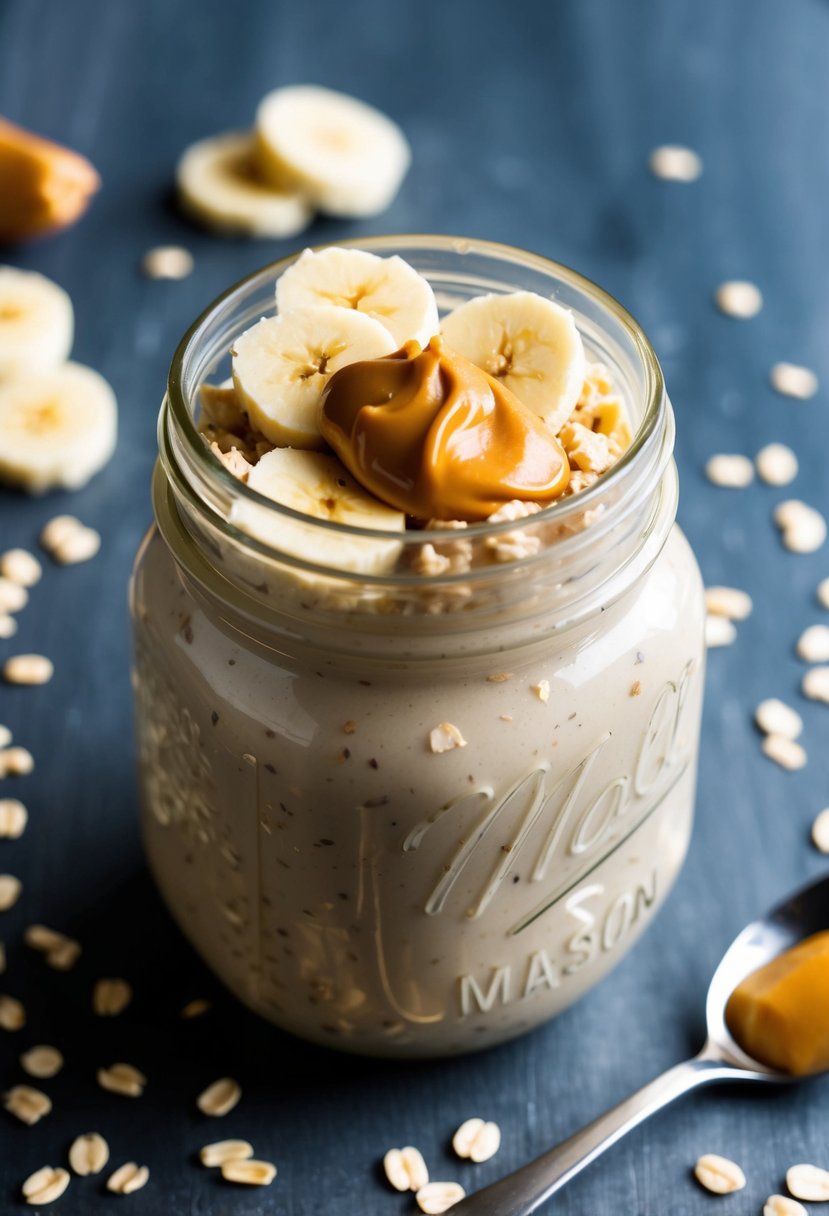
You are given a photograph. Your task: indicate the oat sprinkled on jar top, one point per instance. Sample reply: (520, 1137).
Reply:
(397, 786)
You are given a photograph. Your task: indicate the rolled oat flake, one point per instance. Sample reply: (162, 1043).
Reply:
(808, 1182)
(776, 464)
(220, 1097)
(774, 717)
(785, 752)
(732, 471)
(45, 1185)
(248, 1172)
(815, 684)
(739, 298)
(781, 1205)
(437, 1197)
(675, 163)
(718, 1174)
(813, 644)
(88, 1154)
(127, 1178)
(791, 380)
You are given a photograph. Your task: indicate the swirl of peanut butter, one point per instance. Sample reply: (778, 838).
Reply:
(430, 433)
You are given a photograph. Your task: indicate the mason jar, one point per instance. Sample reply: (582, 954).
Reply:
(352, 868)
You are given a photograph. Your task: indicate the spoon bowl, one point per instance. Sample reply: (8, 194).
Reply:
(721, 1059)
(799, 916)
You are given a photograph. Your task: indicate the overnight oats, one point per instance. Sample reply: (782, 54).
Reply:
(418, 644)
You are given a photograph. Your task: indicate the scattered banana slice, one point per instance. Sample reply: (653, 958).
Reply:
(387, 289)
(529, 343)
(219, 185)
(319, 486)
(36, 323)
(282, 364)
(57, 429)
(345, 156)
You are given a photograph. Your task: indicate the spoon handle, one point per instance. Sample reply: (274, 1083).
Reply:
(524, 1191)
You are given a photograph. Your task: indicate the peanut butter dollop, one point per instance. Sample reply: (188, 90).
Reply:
(780, 1014)
(430, 433)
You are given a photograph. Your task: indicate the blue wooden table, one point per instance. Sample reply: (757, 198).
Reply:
(531, 123)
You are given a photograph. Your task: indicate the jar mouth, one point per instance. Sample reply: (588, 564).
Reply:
(208, 471)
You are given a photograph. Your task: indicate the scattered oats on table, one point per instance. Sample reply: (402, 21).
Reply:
(196, 1008)
(167, 262)
(776, 464)
(477, 1140)
(803, 529)
(16, 762)
(774, 717)
(10, 888)
(45, 1185)
(729, 602)
(219, 1098)
(13, 596)
(542, 690)
(815, 684)
(88, 1154)
(719, 631)
(785, 752)
(730, 471)
(27, 1104)
(813, 644)
(437, 1197)
(719, 1175)
(820, 831)
(68, 541)
(127, 1178)
(13, 818)
(122, 1079)
(28, 669)
(12, 1013)
(781, 1205)
(110, 997)
(739, 298)
(248, 1172)
(21, 567)
(405, 1168)
(225, 1150)
(808, 1182)
(791, 380)
(675, 163)
(42, 1061)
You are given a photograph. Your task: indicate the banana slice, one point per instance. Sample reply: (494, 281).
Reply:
(218, 185)
(57, 429)
(529, 343)
(388, 289)
(347, 157)
(282, 364)
(319, 486)
(36, 323)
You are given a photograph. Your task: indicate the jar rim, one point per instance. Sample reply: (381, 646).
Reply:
(209, 466)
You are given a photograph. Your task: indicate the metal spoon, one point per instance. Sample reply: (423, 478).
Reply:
(721, 1059)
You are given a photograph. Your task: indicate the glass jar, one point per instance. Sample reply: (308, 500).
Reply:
(344, 876)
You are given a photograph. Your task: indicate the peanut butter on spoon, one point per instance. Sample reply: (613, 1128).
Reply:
(430, 433)
(780, 1014)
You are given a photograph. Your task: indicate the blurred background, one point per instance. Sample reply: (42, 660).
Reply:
(530, 123)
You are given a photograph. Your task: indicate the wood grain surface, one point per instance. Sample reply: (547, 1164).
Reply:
(531, 123)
